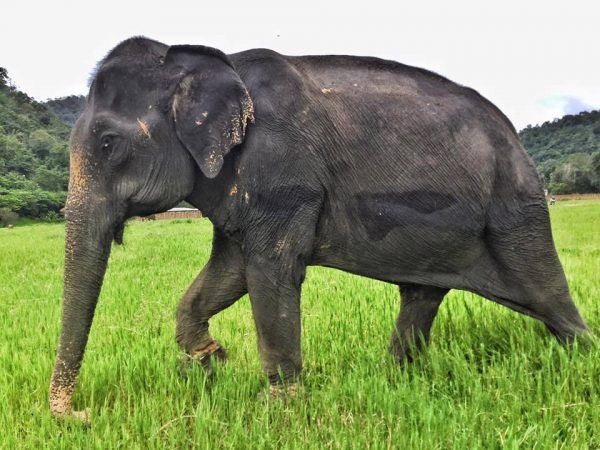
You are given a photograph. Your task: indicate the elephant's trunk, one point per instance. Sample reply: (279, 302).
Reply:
(87, 247)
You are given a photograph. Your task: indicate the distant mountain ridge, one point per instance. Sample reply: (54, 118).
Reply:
(67, 108)
(566, 152)
(570, 134)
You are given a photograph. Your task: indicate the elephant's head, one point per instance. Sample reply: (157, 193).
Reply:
(156, 119)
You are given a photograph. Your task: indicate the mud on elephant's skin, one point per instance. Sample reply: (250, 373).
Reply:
(365, 165)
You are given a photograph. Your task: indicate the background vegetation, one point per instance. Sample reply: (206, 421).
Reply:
(68, 109)
(34, 154)
(34, 151)
(492, 378)
(567, 152)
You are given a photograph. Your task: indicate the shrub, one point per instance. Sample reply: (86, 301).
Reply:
(53, 216)
(35, 204)
(7, 217)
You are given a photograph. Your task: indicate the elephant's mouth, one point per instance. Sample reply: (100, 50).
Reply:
(118, 233)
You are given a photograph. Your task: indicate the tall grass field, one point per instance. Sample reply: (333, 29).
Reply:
(492, 378)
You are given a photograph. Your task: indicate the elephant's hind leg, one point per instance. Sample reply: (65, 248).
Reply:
(529, 276)
(219, 285)
(418, 307)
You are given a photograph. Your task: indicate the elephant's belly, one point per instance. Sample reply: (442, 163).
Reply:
(397, 242)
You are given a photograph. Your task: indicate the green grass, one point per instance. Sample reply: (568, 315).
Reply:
(492, 378)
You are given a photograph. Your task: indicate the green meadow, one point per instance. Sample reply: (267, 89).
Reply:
(492, 378)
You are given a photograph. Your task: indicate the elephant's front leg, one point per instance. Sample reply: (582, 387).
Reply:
(219, 285)
(274, 289)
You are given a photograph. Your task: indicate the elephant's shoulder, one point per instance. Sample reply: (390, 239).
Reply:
(273, 81)
(263, 65)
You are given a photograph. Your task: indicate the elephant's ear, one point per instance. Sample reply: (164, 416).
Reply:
(210, 105)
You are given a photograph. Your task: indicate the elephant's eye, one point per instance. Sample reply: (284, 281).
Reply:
(106, 142)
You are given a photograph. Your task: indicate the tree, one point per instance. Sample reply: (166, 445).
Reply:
(573, 176)
(59, 156)
(15, 156)
(17, 181)
(595, 169)
(54, 180)
(68, 108)
(36, 204)
(40, 143)
(4, 80)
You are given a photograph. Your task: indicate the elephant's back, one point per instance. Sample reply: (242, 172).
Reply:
(362, 75)
(373, 80)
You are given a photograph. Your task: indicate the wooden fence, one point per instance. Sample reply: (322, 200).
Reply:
(559, 197)
(175, 214)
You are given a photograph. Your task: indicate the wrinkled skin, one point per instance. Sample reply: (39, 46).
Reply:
(360, 164)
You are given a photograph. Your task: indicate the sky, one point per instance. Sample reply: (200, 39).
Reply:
(536, 60)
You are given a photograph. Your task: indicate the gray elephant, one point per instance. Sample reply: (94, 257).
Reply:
(365, 165)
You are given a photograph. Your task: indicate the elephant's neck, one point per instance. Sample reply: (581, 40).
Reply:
(212, 196)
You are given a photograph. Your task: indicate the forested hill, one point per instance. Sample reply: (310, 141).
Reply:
(33, 155)
(566, 152)
(67, 108)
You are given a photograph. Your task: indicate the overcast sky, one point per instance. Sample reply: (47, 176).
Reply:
(536, 60)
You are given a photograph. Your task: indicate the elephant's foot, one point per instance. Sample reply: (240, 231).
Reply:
(408, 348)
(83, 416)
(205, 355)
(402, 353)
(61, 407)
(283, 391)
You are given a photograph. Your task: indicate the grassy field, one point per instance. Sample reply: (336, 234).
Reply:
(492, 378)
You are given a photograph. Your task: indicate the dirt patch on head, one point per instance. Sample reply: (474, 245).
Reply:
(145, 128)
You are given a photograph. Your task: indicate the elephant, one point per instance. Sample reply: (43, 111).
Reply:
(356, 163)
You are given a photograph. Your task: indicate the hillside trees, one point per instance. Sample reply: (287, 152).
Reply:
(579, 172)
(566, 152)
(33, 154)
(67, 108)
